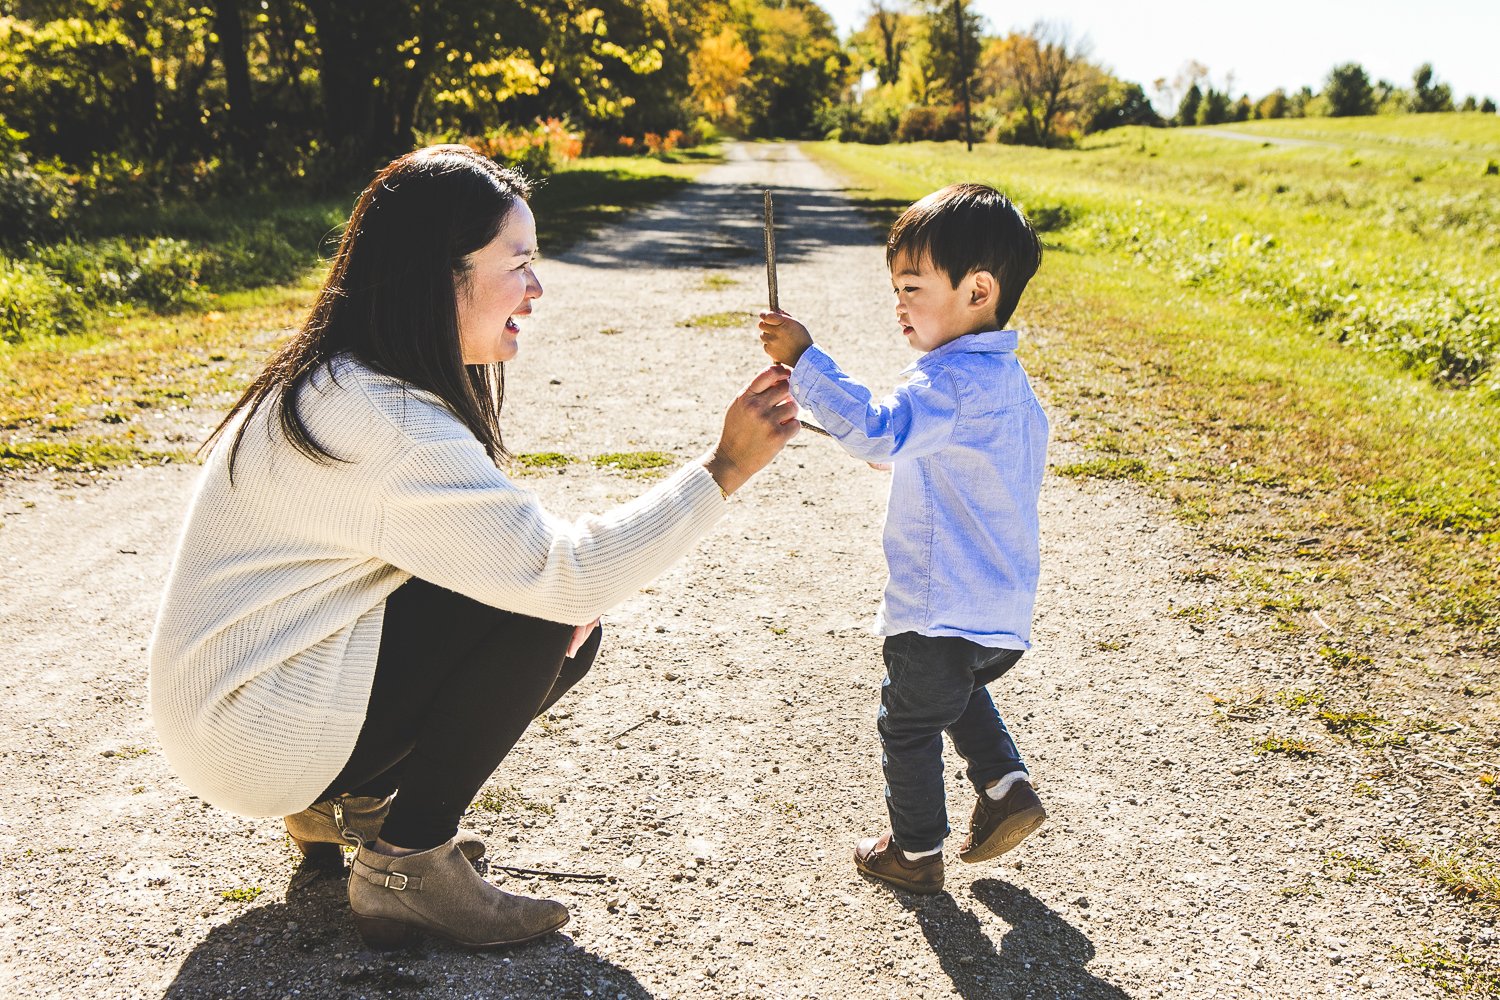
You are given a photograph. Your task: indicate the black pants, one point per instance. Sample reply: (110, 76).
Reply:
(456, 685)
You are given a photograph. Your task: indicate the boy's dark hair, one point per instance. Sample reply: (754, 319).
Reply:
(966, 228)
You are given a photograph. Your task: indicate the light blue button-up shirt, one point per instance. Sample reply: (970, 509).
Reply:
(967, 441)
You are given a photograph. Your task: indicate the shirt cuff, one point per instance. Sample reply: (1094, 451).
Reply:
(812, 366)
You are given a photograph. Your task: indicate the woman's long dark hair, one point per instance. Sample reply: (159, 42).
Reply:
(390, 299)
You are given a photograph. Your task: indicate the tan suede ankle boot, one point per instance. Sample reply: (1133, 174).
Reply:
(348, 821)
(438, 891)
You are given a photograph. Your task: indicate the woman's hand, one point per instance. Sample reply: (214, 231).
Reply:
(758, 424)
(784, 338)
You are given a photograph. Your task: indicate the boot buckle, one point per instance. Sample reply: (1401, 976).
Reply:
(398, 886)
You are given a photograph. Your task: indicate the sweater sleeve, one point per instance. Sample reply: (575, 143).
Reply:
(450, 517)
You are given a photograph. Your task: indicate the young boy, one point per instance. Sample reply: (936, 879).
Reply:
(966, 441)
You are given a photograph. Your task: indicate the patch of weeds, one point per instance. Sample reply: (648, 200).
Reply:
(544, 461)
(1465, 873)
(1199, 614)
(1196, 510)
(1305, 890)
(551, 723)
(719, 320)
(80, 455)
(510, 799)
(1243, 550)
(790, 810)
(1239, 708)
(635, 461)
(714, 282)
(1455, 972)
(1108, 468)
(1491, 782)
(248, 894)
(127, 752)
(1291, 746)
(1445, 510)
(1341, 658)
(610, 331)
(1364, 728)
(777, 629)
(1365, 790)
(1201, 574)
(1109, 645)
(1300, 697)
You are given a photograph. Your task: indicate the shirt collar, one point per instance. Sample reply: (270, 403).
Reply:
(986, 342)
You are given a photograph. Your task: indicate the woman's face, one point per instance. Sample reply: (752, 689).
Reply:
(499, 288)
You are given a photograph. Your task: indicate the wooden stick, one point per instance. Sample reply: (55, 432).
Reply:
(770, 236)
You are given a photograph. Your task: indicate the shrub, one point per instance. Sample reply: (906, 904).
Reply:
(259, 255)
(919, 124)
(35, 201)
(535, 150)
(34, 303)
(160, 273)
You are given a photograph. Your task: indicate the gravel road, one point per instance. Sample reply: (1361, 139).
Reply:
(718, 765)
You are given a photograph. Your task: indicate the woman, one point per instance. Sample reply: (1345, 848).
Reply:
(361, 602)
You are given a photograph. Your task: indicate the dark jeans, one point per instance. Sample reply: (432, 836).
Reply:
(456, 685)
(935, 684)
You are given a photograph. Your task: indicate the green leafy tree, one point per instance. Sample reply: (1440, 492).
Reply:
(1187, 111)
(1042, 81)
(884, 41)
(1348, 91)
(1273, 105)
(1426, 95)
(1121, 103)
(797, 66)
(1214, 109)
(1243, 109)
(1487, 106)
(941, 54)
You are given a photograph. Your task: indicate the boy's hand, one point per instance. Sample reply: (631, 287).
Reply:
(783, 337)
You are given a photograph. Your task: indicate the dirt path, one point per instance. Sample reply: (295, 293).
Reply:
(1177, 862)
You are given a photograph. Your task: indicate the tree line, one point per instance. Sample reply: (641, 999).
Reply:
(111, 93)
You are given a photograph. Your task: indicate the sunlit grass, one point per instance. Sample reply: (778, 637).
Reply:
(1225, 402)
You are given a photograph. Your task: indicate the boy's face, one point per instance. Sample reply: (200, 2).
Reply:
(931, 311)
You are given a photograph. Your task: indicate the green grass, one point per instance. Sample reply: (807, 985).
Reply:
(246, 895)
(508, 799)
(720, 320)
(1281, 343)
(1289, 746)
(544, 461)
(638, 462)
(1456, 972)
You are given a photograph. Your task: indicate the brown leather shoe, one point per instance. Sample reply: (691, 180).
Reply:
(320, 830)
(996, 827)
(879, 857)
(438, 892)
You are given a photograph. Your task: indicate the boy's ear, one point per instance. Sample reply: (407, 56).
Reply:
(986, 290)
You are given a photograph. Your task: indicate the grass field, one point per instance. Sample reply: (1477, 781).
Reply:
(80, 401)
(1293, 343)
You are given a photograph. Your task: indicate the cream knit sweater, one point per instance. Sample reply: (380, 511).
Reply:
(265, 646)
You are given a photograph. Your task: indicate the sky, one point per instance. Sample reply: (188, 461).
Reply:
(1266, 43)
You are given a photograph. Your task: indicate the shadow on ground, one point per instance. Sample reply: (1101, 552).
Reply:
(720, 225)
(307, 947)
(1042, 955)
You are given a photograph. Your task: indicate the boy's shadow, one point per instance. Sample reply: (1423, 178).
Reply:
(1042, 955)
(307, 947)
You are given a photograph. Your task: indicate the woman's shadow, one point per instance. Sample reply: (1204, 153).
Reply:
(1041, 955)
(307, 947)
